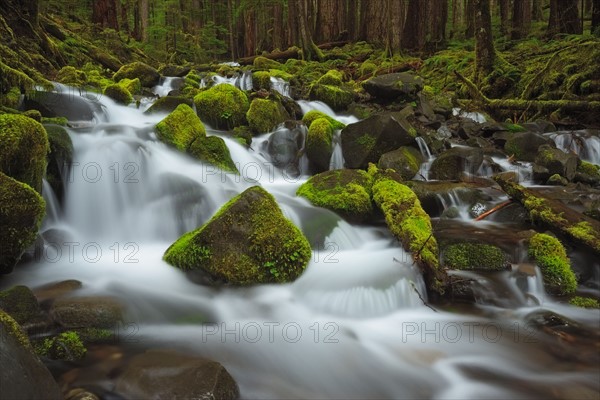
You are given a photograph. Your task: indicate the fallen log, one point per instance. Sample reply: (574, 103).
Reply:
(293, 52)
(555, 215)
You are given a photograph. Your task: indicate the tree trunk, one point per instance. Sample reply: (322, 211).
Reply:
(249, 32)
(330, 20)
(537, 10)
(144, 12)
(278, 28)
(504, 12)
(352, 20)
(521, 19)
(309, 50)
(125, 18)
(104, 13)
(564, 17)
(485, 53)
(470, 17)
(595, 29)
(415, 29)
(438, 20)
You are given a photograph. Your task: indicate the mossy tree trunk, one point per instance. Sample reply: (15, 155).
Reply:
(310, 50)
(485, 53)
(521, 19)
(564, 17)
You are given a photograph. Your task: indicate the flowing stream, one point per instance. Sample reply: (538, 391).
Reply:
(352, 326)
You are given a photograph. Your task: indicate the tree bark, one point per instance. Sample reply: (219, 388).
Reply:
(104, 13)
(470, 18)
(144, 13)
(485, 54)
(521, 19)
(504, 13)
(415, 28)
(330, 21)
(438, 19)
(309, 50)
(537, 10)
(564, 17)
(595, 29)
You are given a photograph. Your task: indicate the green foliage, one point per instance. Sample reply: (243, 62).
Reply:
(66, 346)
(584, 302)
(551, 257)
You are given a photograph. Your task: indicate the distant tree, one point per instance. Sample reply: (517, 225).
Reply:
(537, 10)
(485, 54)
(521, 21)
(298, 16)
(595, 29)
(504, 19)
(104, 13)
(564, 17)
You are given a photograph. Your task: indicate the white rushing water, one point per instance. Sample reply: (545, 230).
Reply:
(352, 326)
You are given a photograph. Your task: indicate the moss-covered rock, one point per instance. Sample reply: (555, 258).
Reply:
(248, 241)
(338, 98)
(345, 191)
(223, 106)
(34, 115)
(243, 134)
(23, 149)
(180, 128)
(66, 346)
(167, 104)
(133, 86)
(266, 64)
(11, 99)
(319, 144)
(475, 256)
(557, 161)
(584, 302)
(402, 85)
(86, 312)
(550, 255)
(411, 225)
(261, 80)
(406, 161)
(119, 94)
(213, 150)
(20, 303)
(60, 157)
(588, 173)
(264, 115)
(332, 78)
(71, 76)
(147, 75)
(22, 210)
(453, 162)
(313, 115)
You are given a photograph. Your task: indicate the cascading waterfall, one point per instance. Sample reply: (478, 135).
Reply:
(586, 144)
(281, 86)
(352, 326)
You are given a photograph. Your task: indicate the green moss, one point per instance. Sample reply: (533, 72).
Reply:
(590, 169)
(118, 93)
(264, 115)
(213, 150)
(20, 303)
(551, 257)
(247, 241)
(412, 132)
(168, 104)
(367, 68)
(367, 141)
(319, 143)
(62, 121)
(583, 231)
(466, 256)
(23, 149)
(408, 222)
(337, 98)
(180, 128)
(266, 64)
(223, 106)
(313, 115)
(14, 329)
(71, 76)
(346, 192)
(66, 346)
(261, 80)
(95, 335)
(584, 302)
(133, 86)
(34, 115)
(147, 75)
(514, 128)
(22, 210)
(332, 77)
(12, 98)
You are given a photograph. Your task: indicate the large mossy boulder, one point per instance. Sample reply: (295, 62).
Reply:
(213, 150)
(319, 144)
(222, 106)
(314, 115)
(20, 303)
(344, 191)
(330, 90)
(411, 225)
(168, 104)
(366, 141)
(248, 241)
(23, 149)
(264, 115)
(524, 145)
(168, 374)
(557, 161)
(453, 162)
(60, 157)
(147, 75)
(23, 375)
(118, 93)
(180, 128)
(475, 256)
(403, 85)
(550, 255)
(406, 161)
(22, 210)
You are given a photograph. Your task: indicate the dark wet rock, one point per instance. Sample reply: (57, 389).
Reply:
(366, 141)
(69, 105)
(56, 289)
(513, 213)
(87, 312)
(557, 161)
(402, 85)
(539, 126)
(524, 145)
(22, 376)
(59, 159)
(406, 161)
(285, 147)
(20, 303)
(557, 180)
(167, 374)
(451, 164)
(168, 104)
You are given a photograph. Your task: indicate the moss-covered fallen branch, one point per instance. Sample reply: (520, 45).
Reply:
(555, 215)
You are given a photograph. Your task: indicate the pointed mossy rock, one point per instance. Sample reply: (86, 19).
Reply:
(147, 75)
(319, 144)
(180, 128)
(313, 115)
(264, 115)
(404, 85)
(22, 210)
(336, 97)
(23, 149)
(222, 106)
(551, 256)
(406, 161)
(213, 150)
(118, 93)
(344, 191)
(248, 241)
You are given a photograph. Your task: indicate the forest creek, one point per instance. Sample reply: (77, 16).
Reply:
(311, 199)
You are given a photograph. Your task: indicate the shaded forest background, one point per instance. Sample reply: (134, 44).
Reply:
(199, 31)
